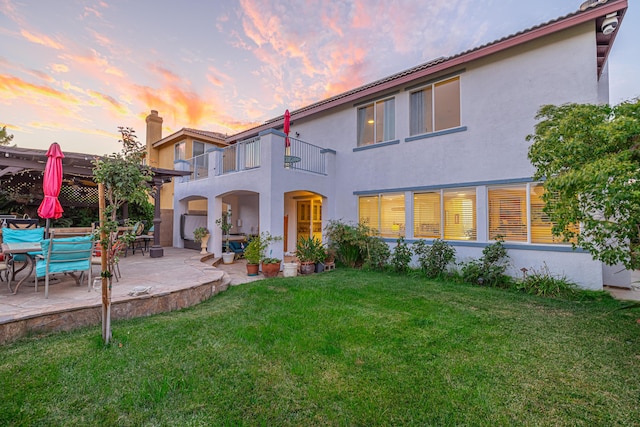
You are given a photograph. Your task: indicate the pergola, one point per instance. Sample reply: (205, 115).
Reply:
(21, 175)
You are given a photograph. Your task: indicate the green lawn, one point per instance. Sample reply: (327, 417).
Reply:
(340, 348)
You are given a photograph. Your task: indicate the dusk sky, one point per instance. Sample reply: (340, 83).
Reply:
(72, 71)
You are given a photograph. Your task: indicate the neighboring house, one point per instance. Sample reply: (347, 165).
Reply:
(436, 151)
(179, 150)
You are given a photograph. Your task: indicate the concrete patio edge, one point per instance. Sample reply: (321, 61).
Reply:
(210, 283)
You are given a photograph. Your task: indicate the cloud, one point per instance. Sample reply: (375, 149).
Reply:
(12, 87)
(101, 99)
(41, 39)
(59, 68)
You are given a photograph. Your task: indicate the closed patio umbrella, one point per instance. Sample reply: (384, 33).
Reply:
(287, 125)
(50, 206)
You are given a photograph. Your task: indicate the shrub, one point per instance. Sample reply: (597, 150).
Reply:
(543, 283)
(348, 241)
(378, 253)
(401, 256)
(434, 258)
(488, 270)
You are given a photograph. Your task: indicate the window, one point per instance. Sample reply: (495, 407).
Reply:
(448, 214)
(435, 107)
(197, 148)
(179, 151)
(508, 213)
(541, 224)
(426, 215)
(376, 122)
(459, 214)
(509, 216)
(384, 213)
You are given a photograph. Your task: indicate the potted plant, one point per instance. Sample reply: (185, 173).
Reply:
(270, 266)
(225, 225)
(306, 251)
(256, 250)
(201, 234)
(320, 256)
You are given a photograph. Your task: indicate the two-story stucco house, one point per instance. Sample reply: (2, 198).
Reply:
(436, 151)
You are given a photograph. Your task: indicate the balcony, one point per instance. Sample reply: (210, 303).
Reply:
(245, 155)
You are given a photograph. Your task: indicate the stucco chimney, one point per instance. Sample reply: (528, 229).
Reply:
(154, 134)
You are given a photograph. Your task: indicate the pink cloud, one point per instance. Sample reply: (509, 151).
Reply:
(41, 39)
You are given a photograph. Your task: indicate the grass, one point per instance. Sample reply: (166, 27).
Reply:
(340, 348)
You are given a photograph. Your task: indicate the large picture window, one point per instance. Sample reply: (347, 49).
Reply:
(383, 213)
(376, 122)
(435, 107)
(512, 219)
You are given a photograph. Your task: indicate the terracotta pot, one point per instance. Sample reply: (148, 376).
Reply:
(307, 268)
(252, 269)
(270, 270)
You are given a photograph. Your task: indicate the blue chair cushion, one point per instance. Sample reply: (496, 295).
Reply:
(73, 255)
(23, 235)
(236, 247)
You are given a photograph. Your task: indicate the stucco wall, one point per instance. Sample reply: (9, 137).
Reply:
(500, 96)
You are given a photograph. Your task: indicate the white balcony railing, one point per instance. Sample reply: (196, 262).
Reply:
(199, 166)
(238, 157)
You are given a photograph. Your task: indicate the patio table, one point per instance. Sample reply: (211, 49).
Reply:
(24, 248)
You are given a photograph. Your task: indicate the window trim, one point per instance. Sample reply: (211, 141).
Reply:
(373, 103)
(432, 84)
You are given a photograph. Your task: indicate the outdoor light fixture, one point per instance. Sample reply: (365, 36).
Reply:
(610, 23)
(370, 121)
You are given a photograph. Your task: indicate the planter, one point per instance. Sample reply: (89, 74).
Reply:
(270, 270)
(203, 244)
(252, 269)
(319, 267)
(290, 269)
(307, 268)
(228, 257)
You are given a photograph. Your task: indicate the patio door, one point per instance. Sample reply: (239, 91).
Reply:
(309, 218)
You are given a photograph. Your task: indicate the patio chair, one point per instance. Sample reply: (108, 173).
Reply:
(20, 235)
(22, 223)
(237, 248)
(65, 255)
(140, 241)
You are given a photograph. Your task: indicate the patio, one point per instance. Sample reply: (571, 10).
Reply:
(180, 279)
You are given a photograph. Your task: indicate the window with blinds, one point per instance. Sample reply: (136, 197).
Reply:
(368, 211)
(392, 215)
(508, 213)
(459, 214)
(383, 213)
(426, 215)
(541, 225)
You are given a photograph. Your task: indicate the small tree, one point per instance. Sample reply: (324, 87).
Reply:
(124, 179)
(5, 138)
(590, 158)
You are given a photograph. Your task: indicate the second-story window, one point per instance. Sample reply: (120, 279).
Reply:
(376, 122)
(435, 107)
(179, 151)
